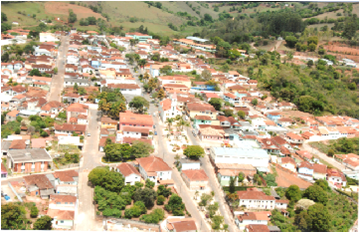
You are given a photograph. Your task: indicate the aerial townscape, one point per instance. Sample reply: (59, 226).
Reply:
(182, 116)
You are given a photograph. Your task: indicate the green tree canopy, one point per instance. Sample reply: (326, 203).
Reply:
(110, 180)
(43, 223)
(194, 152)
(175, 205)
(146, 195)
(12, 217)
(216, 103)
(141, 149)
(293, 193)
(139, 103)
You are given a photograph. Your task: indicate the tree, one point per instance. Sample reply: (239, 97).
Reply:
(206, 75)
(254, 102)
(175, 205)
(149, 184)
(12, 217)
(43, 223)
(72, 17)
(139, 103)
(205, 199)
(109, 180)
(5, 27)
(323, 184)
(160, 200)
(216, 103)
(194, 152)
(141, 149)
(293, 193)
(312, 40)
(142, 63)
(301, 220)
(291, 41)
(3, 17)
(146, 195)
(312, 47)
(241, 177)
(212, 209)
(319, 219)
(310, 63)
(330, 153)
(34, 212)
(35, 72)
(241, 114)
(316, 193)
(208, 18)
(164, 191)
(232, 184)
(161, 94)
(216, 222)
(228, 112)
(169, 122)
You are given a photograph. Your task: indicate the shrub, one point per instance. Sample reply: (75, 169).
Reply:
(34, 212)
(160, 200)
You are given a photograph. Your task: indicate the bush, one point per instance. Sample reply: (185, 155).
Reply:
(160, 200)
(34, 212)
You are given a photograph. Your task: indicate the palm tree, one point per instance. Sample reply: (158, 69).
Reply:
(183, 123)
(196, 194)
(169, 122)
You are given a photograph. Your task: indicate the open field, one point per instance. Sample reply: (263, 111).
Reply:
(62, 8)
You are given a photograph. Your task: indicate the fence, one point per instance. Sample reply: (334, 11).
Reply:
(133, 223)
(72, 165)
(14, 191)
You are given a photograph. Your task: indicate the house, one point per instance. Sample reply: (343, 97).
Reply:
(154, 168)
(68, 129)
(108, 123)
(247, 218)
(178, 224)
(294, 138)
(256, 228)
(200, 109)
(66, 189)
(231, 98)
(129, 118)
(168, 108)
(11, 116)
(62, 202)
(180, 88)
(47, 37)
(226, 170)
(129, 172)
(336, 177)
(304, 155)
(102, 141)
(127, 88)
(4, 172)
(28, 160)
(201, 120)
(255, 200)
(80, 82)
(175, 79)
(195, 179)
(51, 108)
(66, 177)
(62, 219)
(39, 185)
(305, 170)
(274, 116)
(189, 164)
(139, 36)
(211, 133)
(320, 171)
(281, 204)
(78, 113)
(288, 163)
(256, 157)
(351, 160)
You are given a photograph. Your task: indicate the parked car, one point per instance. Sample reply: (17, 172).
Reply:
(88, 135)
(155, 133)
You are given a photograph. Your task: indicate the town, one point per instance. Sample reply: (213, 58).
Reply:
(135, 133)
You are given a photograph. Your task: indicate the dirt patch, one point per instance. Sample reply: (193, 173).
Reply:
(294, 114)
(285, 179)
(338, 47)
(62, 8)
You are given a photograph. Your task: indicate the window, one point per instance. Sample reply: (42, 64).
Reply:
(61, 221)
(65, 203)
(58, 203)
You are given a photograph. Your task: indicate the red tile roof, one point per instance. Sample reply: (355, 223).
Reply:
(257, 228)
(127, 169)
(254, 195)
(41, 181)
(66, 176)
(136, 119)
(63, 198)
(61, 214)
(196, 175)
(153, 164)
(18, 144)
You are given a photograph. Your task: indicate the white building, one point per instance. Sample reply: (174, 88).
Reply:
(47, 37)
(129, 172)
(168, 108)
(63, 219)
(154, 168)
(248, 218)
(256, 157)
(63, 202)
(189, 164)
(256, 200)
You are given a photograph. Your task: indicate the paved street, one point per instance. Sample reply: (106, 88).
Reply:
(323, 156)
(57, 82)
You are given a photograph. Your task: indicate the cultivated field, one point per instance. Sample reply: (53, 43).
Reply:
(62, 8)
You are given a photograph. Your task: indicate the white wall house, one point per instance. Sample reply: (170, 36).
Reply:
(129, 172)
(256, 200)
(250, 218)
(47, 37)
(256, 157)
(188, 164)
(154, 168)
(168, 108)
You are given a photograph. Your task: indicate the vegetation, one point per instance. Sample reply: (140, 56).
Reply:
(112, 102)
(43, 223)
(175, 205)
(109, 180)
(13, 217)
(340, 146)
(139, 103)
(194, 152)
(115, 152)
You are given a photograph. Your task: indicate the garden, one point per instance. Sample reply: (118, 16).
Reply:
(140, 202)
